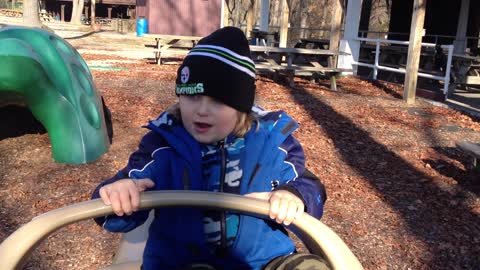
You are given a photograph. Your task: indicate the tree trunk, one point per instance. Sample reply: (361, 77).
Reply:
(30, 13)
(236, 12)
(250, 18)
(77, 11)
(379, 17)
(275, 12)
(304, 18)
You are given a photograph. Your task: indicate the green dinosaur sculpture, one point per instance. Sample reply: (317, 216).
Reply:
(57, 86)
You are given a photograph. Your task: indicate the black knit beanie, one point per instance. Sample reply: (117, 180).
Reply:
(220, 66)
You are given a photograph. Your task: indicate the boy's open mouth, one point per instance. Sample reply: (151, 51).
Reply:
(202, 127)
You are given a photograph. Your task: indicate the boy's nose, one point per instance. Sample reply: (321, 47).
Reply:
(203, 106)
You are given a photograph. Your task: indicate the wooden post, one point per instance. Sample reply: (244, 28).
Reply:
(349, 43)
(460, 42)
(250, 17)
(335, 28)
(414, 49)
(109, 12)
(284, 23)
(31, 16)
(62, 12)
(133, 13)
(86, 13)
(92, 7)
(226, 13)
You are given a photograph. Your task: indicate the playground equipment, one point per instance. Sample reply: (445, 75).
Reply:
(54, 82)
(318, 238)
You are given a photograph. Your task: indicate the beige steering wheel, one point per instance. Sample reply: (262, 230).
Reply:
(318, 238)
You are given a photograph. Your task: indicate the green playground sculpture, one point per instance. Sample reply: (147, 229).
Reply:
(55, 83)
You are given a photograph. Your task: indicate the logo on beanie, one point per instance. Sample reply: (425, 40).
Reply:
(189, 89)
(185, 74)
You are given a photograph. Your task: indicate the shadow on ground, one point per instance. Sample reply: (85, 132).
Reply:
(18, 121)
(87, 34)
(435, 222)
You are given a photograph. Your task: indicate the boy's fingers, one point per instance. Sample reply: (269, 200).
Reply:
(282, 211)
(126, 205)
(274, 207)
(115, 203)
(134, 198)
(259, 195)
(291, 212)
(284, 206)
(104, 195)
(143, 184)
(300, 209)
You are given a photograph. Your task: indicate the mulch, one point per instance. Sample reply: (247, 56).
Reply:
(399, 192)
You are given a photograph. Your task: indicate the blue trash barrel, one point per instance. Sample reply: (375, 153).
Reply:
(142, 26)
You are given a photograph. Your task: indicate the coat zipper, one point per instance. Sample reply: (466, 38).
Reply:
(223, 236)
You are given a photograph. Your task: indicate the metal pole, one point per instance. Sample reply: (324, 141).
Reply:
(377, 53)
(447, 72)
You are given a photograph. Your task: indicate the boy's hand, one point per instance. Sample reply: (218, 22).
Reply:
(284, 205)
(124, 195)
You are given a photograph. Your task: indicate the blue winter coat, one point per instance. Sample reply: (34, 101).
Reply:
(171, 157)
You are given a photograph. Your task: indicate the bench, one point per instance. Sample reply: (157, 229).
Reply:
(313, 43)
(167, 45)
(473, 150)
(291, 62)
(162, 54)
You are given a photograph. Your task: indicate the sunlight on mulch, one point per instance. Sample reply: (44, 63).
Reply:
(400, 193)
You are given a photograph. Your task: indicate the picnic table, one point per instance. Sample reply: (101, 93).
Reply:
(465, 72)
(313, 43)
(166, 45)
(395, 56)
(473, 150)
(264, 38)
(292, 62)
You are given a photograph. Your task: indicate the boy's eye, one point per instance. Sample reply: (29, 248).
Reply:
(216, 101)
(193, 97)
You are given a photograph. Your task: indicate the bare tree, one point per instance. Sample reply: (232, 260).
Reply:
(237, 11)
(380, 16)
(300, 15)
(77, 11)
(30, 13)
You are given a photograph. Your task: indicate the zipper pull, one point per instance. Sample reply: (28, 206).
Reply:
(221, 144)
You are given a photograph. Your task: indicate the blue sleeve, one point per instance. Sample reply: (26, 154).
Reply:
(137, 160)
(305, 184)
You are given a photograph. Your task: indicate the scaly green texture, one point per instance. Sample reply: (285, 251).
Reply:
(58, 88)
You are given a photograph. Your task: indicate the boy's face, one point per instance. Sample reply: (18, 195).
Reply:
(207, 119)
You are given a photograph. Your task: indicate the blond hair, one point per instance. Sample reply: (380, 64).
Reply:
(243, 125)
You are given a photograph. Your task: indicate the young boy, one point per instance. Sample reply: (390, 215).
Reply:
(213, 140)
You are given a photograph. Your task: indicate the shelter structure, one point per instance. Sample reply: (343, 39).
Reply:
(454, 23)
(108, 9)
(420, 14)
(446, 22)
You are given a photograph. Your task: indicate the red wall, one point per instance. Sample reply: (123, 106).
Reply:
(181, 17)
